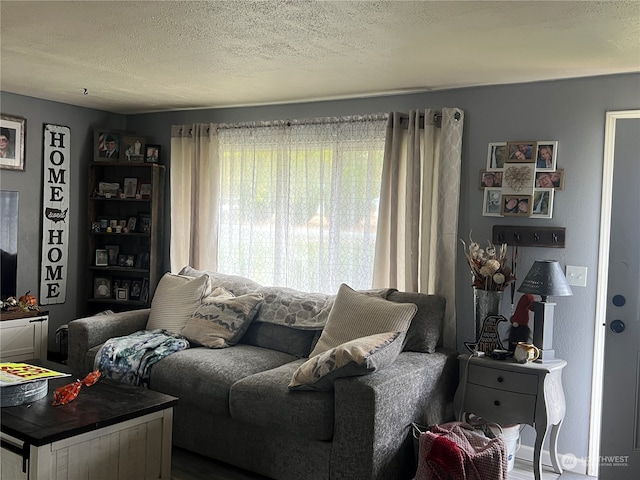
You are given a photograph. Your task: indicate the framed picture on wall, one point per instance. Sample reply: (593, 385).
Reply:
(12, 131)
(542, 204)
(491, 206)
(496, 155)
(521, 152)
(553, 179)
(516, 205)
(546, 155)
(490, 179)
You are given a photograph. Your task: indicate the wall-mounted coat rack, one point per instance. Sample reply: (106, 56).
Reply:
(529, 236)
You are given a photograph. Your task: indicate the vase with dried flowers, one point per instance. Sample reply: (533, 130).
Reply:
(490, 276)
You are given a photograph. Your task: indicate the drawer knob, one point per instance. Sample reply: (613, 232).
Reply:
(496, 403)
(500, 379)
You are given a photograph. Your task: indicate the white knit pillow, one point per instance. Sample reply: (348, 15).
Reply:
(355, 315)
(175, 299)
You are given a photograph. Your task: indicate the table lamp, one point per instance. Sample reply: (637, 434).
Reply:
(545, 279)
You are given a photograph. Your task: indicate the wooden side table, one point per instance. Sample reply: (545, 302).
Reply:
(507, 392)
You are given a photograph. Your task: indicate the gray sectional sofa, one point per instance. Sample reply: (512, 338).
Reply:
(235, 404)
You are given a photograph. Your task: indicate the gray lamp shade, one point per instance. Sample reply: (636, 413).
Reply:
(546, 279)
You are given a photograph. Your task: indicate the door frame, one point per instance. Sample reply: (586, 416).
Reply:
(595, 423)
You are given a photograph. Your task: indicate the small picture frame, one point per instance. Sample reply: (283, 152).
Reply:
(492, 179)
(152, 153)
(101, 287)
(516, 205)
(496, 156)
(554, 179)
(102, 257)
(546, 155)
(122, 260)
(108, 189)
(130, 261)
(122, 294)
(145, 223)
(112, 252)
(130, 187)
(144, 291)
(115, 284)
(145, 190)
(12, 133)
(107, 145)
(491, 206)
(122, 223)
(521, 152)
(136, 290)
(542, 204)
(131, 224)
(132, 149)
(95, 227)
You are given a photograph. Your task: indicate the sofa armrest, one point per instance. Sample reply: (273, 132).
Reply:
(373, 413)
(86, 333)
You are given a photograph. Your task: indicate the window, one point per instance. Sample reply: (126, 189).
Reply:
(299, 201)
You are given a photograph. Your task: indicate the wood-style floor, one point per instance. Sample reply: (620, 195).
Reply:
(189, 466)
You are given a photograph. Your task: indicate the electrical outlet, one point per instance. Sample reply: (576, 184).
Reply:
(576, 276)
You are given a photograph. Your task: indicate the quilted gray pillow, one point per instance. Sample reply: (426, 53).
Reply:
(221, 319)
(357, 357)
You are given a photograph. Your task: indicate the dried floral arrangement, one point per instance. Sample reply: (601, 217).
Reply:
(488, 266)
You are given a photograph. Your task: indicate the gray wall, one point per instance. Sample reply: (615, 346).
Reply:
(570, 111)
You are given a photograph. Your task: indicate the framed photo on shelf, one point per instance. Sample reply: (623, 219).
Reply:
(130, 187)
(136, 289)
(122, 260)
(12, 132)
(492, 202)
(131, 224)
(107, 145)
(132, 149)
(516, 205)
(144, 291)
(113, 251)
(546, 155)
(496, 156)
(95, 227)
(521, 152)
(101, 287)
(145, 223)
(122, 294)
(152, 153)
(490, 179)
(553, 179)
(542, 203)
(145, 190)
(130, 261)
(102, 257)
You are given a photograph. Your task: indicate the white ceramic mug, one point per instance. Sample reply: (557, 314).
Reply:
(526, 352)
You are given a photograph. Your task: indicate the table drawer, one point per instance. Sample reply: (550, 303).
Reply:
(503, 379)
(499, 406)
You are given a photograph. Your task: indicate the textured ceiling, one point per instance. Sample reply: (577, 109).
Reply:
(147, 56)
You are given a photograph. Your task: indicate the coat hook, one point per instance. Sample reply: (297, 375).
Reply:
(554, 237)
(516, 236)
(536, 237)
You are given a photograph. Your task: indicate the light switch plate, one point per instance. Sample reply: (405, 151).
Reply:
(576, 276)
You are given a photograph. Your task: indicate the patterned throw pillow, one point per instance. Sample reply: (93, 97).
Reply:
(357, 357)
(174, 301)
(355, 315)
(222, 318)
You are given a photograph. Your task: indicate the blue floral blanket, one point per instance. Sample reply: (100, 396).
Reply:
(129, 359)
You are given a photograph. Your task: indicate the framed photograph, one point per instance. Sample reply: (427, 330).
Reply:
(12, 133)
(496, 155)
(112, 252)
(122, 294)
(518, 178)
(130, 187)
(132, 149)
(115, 285)
(152, 153)
(490, 179)
(130, 261)
(107, 189)
(546, 155)
(144, 260)
(131, 224)
(145, 190)
(101, 287)
(122, 223)
(107, 145)
(553, 179)
(144, 291)
(95, 227)
(492, 202)
(542, 203)
(122, 260)
(516, 205)
(102, 257)
(136, 290)
(523, 152)
(145, 223)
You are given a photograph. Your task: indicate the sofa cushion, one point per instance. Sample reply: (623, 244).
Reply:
(426, 327)
(202, 377)
(234, 283)
(175, 299)
(355, 315)
(289, 307)
(277, 337)
(357, 357)
(221, 319)
(264, 400)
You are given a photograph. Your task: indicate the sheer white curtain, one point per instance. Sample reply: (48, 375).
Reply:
(299, 199)
(417, 225)
(194, 196)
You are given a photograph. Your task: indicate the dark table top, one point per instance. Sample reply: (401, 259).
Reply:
(105, 403)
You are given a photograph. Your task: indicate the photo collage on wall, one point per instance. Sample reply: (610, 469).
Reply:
(520, 179)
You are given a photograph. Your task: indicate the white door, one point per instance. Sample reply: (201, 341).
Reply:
(620, 433)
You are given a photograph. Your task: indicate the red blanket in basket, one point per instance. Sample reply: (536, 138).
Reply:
(455, 451)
